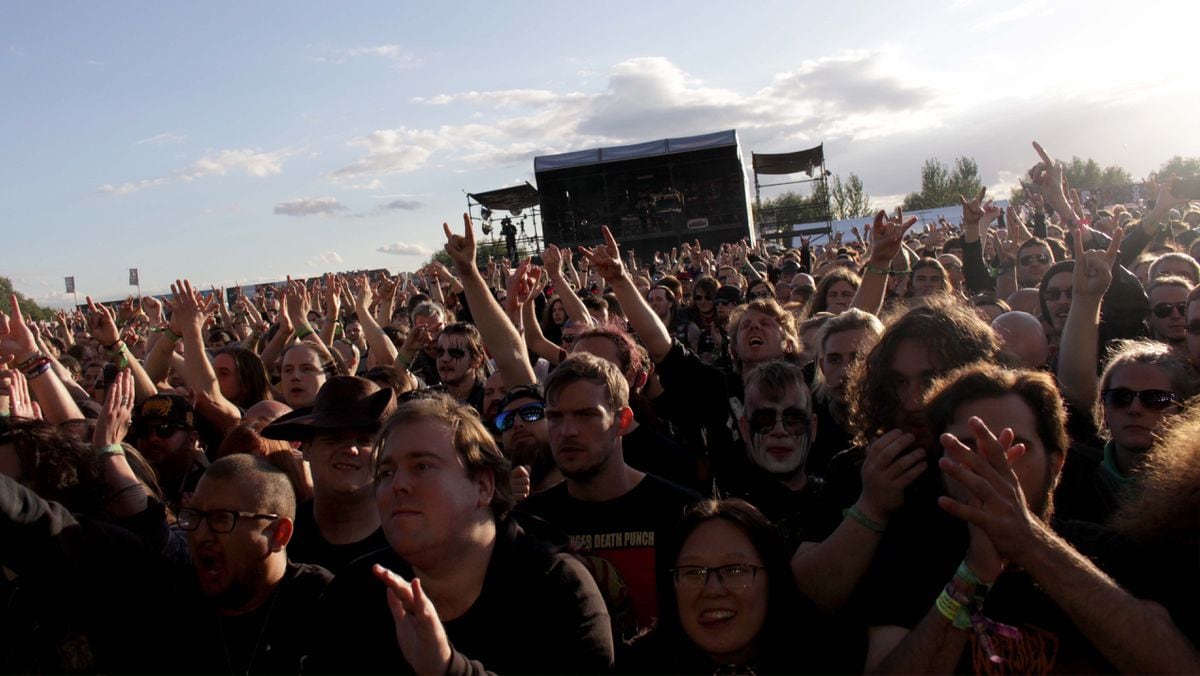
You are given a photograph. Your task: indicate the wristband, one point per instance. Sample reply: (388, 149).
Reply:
(306, 331)
(38, 368)
(110, 449)
(863, 519)
(400, 358)
(38, 354)
(884, 272)
(965, 574)
(951, 609)
(171, 335)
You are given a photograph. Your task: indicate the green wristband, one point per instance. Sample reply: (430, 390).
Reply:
(867, 522)
(111, 449)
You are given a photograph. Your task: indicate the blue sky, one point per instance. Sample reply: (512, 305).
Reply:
(246, 141)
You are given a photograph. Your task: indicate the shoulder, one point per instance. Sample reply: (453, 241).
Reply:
(657, 490)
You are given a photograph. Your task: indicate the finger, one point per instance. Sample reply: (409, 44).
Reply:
(1077, 245)
(1042, 153)
(610, 241)
(1114, 247)
(468, 231)
(91, 304)
(982, 192)
(906, 461)
(972, 515)
(449, 235)
(968, 477)
(912, 473)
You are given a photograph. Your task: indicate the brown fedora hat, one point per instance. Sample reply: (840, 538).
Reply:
(343, 403)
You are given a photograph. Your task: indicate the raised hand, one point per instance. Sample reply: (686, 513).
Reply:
(154, 310)
(552, 258)
(15, 388)
(114, 418)
(419, 631)
(887, 236)
(1047, 176)
(461, 248)
(297, 302)
(16, 340)
(889, 467)
(101, 324)
(1016, 227)
(605, 258)
(333, 298)
(1093, 269)
(984, 492)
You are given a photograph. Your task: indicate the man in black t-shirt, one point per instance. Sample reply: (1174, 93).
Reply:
(613, 513)
(337, 437)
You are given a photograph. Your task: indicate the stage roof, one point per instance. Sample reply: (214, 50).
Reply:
(665, 146)
(789, 163)
(508, 199)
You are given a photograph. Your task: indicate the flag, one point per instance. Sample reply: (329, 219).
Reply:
(133, 277)
(70, 284)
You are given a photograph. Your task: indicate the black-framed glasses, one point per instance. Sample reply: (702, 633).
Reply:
(1194, 328)
(725, 301)
(162, 431)
(1164, 310)
(1156, 400)
(219, 520)
(454, 352)
(732, 576)
(795, 421)
(1030, 259)
(531, 412)
(1053, 294)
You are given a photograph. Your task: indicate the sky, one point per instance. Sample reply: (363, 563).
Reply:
(234, 142)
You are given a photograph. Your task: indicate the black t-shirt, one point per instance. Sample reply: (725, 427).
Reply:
(617, 540)
(654, 453)
(309, 546)
(832, 438)
(538, 612)
(801, 516)
(1087, 491)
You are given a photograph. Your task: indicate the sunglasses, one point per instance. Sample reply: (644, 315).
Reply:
(1055, 294)
(1157, 400)
(795, 421)
(162, 431)
(569, 338)
(760, 294)
(1030, 259)
(529, 413)
(725, 301)
(700, 298)
(454, 352)
(1164, 310)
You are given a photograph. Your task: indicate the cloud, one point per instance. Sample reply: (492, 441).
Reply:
(16, 51)
(250, 162)
(397, 57)
(330, 258)
(391, 151)
(310, 206)
(400, 205)
(404, 249)
(164, 138)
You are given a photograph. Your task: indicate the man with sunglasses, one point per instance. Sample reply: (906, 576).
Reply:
(164, 427)
(525, 438)
(1168, 311)
(1033, 260)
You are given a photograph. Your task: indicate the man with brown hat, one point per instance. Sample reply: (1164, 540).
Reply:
(337, 438)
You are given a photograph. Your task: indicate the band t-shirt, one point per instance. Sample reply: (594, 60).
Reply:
(617, 539)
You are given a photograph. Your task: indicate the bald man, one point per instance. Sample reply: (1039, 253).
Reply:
(1023, 338)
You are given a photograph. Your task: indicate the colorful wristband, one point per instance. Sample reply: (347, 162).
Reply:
(863, 519)
(110, 449)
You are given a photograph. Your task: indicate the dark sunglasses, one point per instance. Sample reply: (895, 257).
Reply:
(454, 352)
(795, 421)
(1157, 400)
(1164, 310)
(1194, 328)
(569, 338)
(529, 413)
(699, 298)
(725, 301)
(1030, 259)
(1055, 294)
(162, 431)
(755, 295)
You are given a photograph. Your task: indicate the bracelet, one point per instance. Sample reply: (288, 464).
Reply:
(38, 371)
(863, 519)
(116, 347)
(171, 335)
(110, 449)
(306, 331)
(121, 491)
(38, 354)
(878, 271)
(965, 574)
(952, 609)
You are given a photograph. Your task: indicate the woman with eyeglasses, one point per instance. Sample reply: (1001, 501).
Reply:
(728, 603)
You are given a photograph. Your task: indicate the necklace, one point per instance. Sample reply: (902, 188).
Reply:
(261, 633)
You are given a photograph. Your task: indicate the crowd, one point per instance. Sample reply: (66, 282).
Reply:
(970, 449)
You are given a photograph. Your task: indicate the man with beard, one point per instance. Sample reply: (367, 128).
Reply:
(1048, 608)
(613, 513)
(165, 429)
(1168, 311)
(525, 438)
(840, 343)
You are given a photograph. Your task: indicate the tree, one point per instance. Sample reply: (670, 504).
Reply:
(1183, 167)
(941, 185)
(30, 309)
(1088, 175)
(849, 199)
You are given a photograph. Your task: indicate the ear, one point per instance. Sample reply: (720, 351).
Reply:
(487, 487)
(744, 428)
(639, 380)
(812, 425)
(280, 533)
(624, 420)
